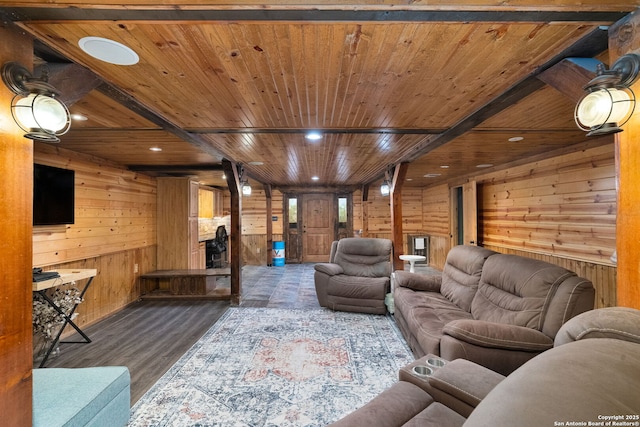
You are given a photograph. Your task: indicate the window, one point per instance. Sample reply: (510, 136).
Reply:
(342, 212)
(293, 213)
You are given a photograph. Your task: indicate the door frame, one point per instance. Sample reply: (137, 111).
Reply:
(294, 240)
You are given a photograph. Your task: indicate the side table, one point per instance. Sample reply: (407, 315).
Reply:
(412, 261)
(66, 276)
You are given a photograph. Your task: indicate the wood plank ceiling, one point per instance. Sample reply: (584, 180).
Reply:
(440, 85)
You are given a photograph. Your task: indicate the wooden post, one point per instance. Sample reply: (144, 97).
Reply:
(395, 196)
(624, 37)
(365, 210)
(16, 252)
(233, 181)
(268, 196)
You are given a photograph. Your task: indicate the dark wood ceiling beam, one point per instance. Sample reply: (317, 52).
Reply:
(589, 46)
(73, 81)
(134, 105)
(327, 131)
(175, 168)
(570, 75)
(302, 13)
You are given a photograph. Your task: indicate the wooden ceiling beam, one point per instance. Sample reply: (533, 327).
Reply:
(134, 105)
(303, 13)
(73, 81)
(589, 46)
(175, 168)
(570, 75)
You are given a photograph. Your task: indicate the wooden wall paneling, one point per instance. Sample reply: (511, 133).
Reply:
(115, 210)
(16, 160)
(565, 206)
(624, 37)
(602, 276)
(115, 286)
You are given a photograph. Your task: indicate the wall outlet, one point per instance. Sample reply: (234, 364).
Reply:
(258, 250)
(135, 268)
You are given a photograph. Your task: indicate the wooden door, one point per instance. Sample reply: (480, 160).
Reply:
(318, 226)
(464, 214)
(470, 213)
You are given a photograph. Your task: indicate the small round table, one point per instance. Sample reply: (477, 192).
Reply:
(412, 260)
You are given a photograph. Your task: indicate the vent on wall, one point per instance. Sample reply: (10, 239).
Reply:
(419, 245)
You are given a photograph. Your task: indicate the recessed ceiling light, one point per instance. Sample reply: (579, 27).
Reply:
(155, 149)
(313, 136)
(516, 138)
(315, 178)
(256, 163)
(108, 51)
(484, 165)
(409, 179)
(444, 167)
(79, 117)
(431, 175)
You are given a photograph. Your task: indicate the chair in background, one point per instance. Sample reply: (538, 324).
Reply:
(357, 276)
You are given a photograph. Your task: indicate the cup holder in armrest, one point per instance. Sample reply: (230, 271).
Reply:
(422, 371)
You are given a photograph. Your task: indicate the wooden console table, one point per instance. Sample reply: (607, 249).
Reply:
(66, 276)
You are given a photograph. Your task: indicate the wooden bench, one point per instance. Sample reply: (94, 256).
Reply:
(183, 282)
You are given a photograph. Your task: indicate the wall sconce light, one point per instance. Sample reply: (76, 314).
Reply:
(246, 188)
(385, 188)
(609, 102)
(34, 107)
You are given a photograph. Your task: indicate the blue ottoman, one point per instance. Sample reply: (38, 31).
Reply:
(81, 397)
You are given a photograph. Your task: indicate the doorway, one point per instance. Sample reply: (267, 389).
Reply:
(464, 214)
(313, 221)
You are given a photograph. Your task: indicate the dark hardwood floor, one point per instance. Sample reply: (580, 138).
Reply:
(149, 336)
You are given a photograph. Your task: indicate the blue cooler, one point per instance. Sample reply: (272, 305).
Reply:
(278, 254)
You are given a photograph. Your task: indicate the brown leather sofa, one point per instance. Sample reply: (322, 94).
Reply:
(592, 375)
(357, 276)
(494, 309)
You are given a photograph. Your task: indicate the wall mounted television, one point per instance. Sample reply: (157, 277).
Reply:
(53, 195)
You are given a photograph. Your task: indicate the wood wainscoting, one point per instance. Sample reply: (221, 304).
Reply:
(602, 276)
(116, 285)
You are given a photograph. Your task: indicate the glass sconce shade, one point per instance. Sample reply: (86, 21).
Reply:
(246, 189)
(41, 116)
(384, 188)
(605, 108)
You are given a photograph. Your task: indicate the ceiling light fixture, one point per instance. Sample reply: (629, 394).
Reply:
(484, 165)
(609, 102)
(313, 136)
(79, 117)
(35, 107)
(516, 138)
(155, 149)
(315, 178)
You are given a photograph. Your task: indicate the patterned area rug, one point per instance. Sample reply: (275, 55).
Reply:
(277, 367)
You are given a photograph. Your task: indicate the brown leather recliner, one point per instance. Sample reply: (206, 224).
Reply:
(357, 276)
(591, 376)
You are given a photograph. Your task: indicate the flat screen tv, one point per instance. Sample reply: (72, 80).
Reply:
(53, 195)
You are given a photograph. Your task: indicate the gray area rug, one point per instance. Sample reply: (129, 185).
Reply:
(277, 367)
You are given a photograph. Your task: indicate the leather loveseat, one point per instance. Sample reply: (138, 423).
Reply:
(494, 309)
(590, 377)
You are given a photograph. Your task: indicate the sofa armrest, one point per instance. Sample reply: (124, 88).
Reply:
(498, 335)
(418, 282)
(463, 380)
(328, 268)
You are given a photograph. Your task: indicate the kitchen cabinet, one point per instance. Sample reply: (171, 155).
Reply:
(177, 228)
